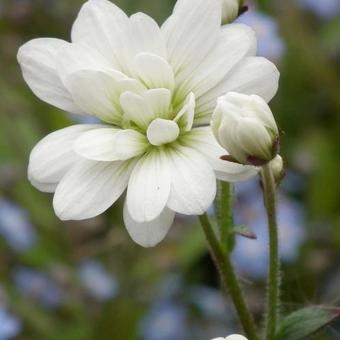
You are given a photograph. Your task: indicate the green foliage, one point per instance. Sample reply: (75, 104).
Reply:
(305, 322)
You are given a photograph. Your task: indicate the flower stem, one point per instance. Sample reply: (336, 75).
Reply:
(273, 293)
(224, 214)
(229, 278)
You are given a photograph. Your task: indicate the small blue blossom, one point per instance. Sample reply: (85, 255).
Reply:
(324, 8)
(211, 302)
(269, 42)
(171, 287)
(10, 325)
(38, 286)
(15, 226)
(82, 119)
(100, 284)
(251, 256)
(165, 321)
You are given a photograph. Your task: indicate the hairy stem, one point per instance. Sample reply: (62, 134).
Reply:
(273, 285)
(229, 278)
(224, 214)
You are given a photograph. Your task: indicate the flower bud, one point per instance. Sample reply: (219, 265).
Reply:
(277, 168)
(230, 10)
(244, 126)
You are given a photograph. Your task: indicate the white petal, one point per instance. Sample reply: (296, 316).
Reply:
(159, 101)
(90, 188)
(148, 234)
(149, 187)
(154, 71)
(129, 144)
(53, 156)
(144, 35)
(43, 187)
(101, 25)
(110, 144)
(97, 144)
(254, 75)
(193, 182)
(162, 131)
(37, 59)
(236, 41)
(191, 32)
(185, 116)
(97, 93)
(75, 57)
(202, 140)
(136, 109)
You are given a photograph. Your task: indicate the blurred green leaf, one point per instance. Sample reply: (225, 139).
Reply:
(305, 322)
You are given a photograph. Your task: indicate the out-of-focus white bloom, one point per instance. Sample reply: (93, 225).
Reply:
(244, 125)
(154, 87)
(277, 168)
(230, 10)
(232, 337)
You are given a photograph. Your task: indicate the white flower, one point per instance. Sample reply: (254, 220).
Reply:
(230, 10)
(154, 88)
(232, 337)
(244, 125)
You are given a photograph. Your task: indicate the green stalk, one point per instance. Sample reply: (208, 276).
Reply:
(273, 285)
(229, 278)
(224, 214)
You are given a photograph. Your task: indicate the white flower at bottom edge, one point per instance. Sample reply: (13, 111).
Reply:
(154, 88)
(232, 337)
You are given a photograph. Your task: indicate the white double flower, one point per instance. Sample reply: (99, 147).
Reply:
(154, 88)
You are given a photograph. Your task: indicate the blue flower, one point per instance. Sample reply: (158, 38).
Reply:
(38, 286)
(15, 226)
(211, 302)
(269, 42)
(10, 325)
(100, 284)
(324, 8)
(166, 321)
(251, 256)
(82, 119)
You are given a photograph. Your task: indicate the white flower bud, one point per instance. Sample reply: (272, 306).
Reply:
(244, 126)
(277, 168)
(230, 10)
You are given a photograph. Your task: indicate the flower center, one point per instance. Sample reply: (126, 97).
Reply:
(162, 131)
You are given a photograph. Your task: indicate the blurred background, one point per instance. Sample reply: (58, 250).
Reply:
(87, 280)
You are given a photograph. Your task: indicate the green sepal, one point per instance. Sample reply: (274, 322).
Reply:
(244, 231)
